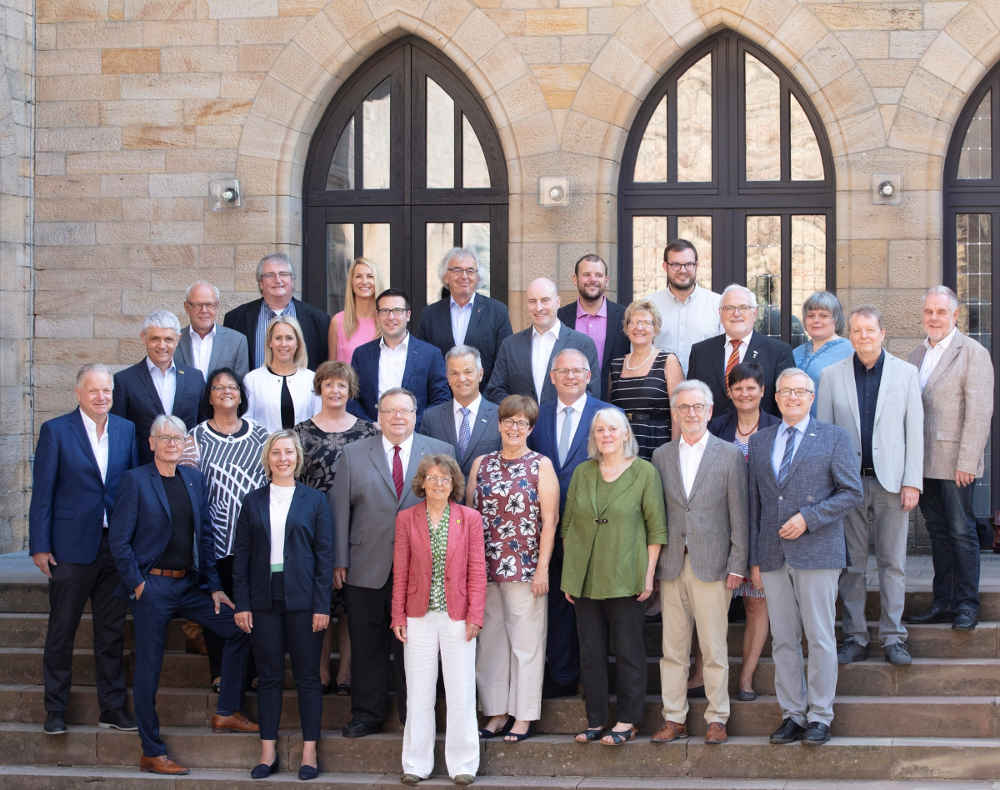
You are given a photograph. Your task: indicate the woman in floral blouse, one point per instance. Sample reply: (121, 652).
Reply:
(517, 493)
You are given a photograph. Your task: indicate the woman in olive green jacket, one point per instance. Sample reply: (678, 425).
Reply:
(613, 527)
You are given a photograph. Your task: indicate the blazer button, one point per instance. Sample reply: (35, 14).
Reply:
(780, 498)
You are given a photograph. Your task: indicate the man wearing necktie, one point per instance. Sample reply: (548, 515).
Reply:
(372, 484)
(804, 479)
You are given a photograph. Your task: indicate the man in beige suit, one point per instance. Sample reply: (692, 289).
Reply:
(956, 376)
(705, 487)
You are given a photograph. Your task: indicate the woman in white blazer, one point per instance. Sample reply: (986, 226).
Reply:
(280, 392)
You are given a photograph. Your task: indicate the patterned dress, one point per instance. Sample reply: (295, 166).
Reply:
(322, 449)
(506, 495)
(645, 401)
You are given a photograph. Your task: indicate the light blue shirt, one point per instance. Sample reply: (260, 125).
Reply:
(263, 319)
(778, 452)
(460, 317)
(833, 350)
(165, 383)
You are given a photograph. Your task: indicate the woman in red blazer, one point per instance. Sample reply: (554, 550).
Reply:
(438, 597)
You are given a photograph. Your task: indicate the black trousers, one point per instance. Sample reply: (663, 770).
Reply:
(372, 645)
(274, 632)
(214, 643)
(70, 587)
(617, 623)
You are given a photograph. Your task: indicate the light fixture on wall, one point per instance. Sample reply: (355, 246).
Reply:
(553, 191)
(887, 189)
(225, 192)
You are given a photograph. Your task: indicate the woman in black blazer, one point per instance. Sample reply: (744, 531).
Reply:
(282, 577)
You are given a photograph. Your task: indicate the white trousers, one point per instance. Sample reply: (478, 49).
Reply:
(426, 637)
(510, 665)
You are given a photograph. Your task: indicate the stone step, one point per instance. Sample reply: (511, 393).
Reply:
(918, 717)
(843, 758)
(873, 677)
(31, 777)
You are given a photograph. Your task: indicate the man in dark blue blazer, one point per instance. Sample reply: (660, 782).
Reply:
(465, 317)
(468, 422)
(79, 462)
(162, 544)
(397, 359)
(156, 385)
(566, 447)
(596, 316)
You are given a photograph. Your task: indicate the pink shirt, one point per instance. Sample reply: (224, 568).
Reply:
(593, 326)
(345, 344)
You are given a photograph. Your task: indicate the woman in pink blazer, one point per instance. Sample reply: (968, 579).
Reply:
(438, 597)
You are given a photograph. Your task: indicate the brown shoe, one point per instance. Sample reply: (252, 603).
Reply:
(671, 731)
(161, 765)
(716, 733)
(237, 722)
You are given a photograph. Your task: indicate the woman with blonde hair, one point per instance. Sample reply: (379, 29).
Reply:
(280, 392)
(355, 324)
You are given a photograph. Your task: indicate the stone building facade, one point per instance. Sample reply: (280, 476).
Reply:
(137, 104)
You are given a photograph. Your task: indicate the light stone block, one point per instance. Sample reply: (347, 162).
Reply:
(581, 49)
(319, 42)
(910, 43)
(535, 134)
(75, 11)
(914, 263)
(240, 86)
(160, 9)
(870, 16)
(131, 186)
(237, 9)
(83, 139)
(115, 162)
(216, 111)
(260, 31)
(349, 16)
(66, 327)
(600, 99)
(887, 73)
(50, 164)
(260, 57)
(926, 93)
(252, 222)
(176, 233)
(946, 59)
(537, 49)
(77, 209)
(74, 352)
(477, 34)
(510, 20)
(866, 44)
(201, 161)
(62, 233)
(181, 184)
(521, 98)
(555, 22)
(915, 131)
(180, 34)
(86, 35)
(163, 256)
(76, 61)
(972, 29)
(218, 136)
(64, 114)
(130, 61)
(801, 31)
(301, 71)
(503, 64)
(308, 8)
(937, 15)
(867, 263)
(827, 61)
(199, 59)
(147, 137)
(67, 186)
(122, 232)
(162, 112)
(863, 131)
(164, 210)
(75, 87)
(641, 33)
(169, 86)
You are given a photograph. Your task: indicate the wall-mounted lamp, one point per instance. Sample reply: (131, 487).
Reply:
(226, 193)
(887, 189)
(553, 191)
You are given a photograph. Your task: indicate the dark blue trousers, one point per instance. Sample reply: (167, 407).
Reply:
(163, 599)
(951, 525)
(562, 652)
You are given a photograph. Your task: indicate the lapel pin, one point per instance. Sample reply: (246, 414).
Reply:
(753, 354)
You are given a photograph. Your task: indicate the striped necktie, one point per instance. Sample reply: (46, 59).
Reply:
(734, 358)
(786, 459)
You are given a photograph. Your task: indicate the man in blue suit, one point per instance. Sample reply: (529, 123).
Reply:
(397, 359)
(156, 385)
(79, 462)
(161, 541)
(560, 433)
(804, 480)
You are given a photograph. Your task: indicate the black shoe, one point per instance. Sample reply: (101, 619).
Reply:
(964, 621)
(117, 720)
(263, 770)
(851, 651)
(54, 724)
(897, 654)
(359, 729)
(307, 772)
(816, 734)
(936, 614)
(788, 732)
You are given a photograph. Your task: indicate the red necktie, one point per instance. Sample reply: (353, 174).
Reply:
(734, 358)
(397, 471)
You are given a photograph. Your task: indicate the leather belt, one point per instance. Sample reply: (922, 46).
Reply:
(168, 573)
(867, 471)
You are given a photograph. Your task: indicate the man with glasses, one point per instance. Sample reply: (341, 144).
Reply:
(712, 359)
(372, 483)
(464, 317)
(690, 313)
(560, 433)
(397, 359)
(804, 480)
(276, 282)
(161, 540)
(204, 344)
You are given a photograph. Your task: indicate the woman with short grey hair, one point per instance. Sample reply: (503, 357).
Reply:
(823, 318)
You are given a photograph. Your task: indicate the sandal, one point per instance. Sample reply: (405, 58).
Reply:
(216, 685)
(486, 734)
(343, 690)
(589, 734)
(517, 737)
(618, 737)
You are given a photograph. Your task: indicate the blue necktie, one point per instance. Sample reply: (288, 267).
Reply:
(464, 432)
(786, 459)
(566, 435)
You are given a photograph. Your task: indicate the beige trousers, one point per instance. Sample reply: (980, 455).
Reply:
(689, 602)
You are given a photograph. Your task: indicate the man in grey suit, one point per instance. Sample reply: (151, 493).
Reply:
(372, 484)
(705, 488)
(956, 377)
(803, 481)
(468, 422)
(875, 397)
(524, 360)
(203, 343)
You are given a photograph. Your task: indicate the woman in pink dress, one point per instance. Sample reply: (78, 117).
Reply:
(355, 324)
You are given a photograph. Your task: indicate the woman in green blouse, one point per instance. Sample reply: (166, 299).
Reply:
(612, 528)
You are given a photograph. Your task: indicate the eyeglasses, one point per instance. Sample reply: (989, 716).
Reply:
(690, 408)
(438, 481)
(395, 312)
(396, 412)
(798, 392)
(641, 323)
(678, 266)
(729, 309)
(204, 305)
(462, 272)
(275, 275)
(571, 371)
(510, 422)
(225, 388)
(167, 439)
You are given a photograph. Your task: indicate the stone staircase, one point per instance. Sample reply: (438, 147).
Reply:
(933, 724)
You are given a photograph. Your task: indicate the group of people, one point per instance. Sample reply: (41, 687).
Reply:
(260, 476)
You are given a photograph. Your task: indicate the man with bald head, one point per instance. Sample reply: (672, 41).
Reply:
(525, 358)
(203, 343)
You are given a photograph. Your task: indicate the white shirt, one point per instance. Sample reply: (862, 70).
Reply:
(542, 344)
(201, 349)
(473, 411)
(165, 383)
(99, 446)
(280, 501)
(264, 396)
(686, 322)
(933, 355)
(404, 453)
(744, 344)
(391, 365)
(577, 406)
(689, 456)
(460, 317)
